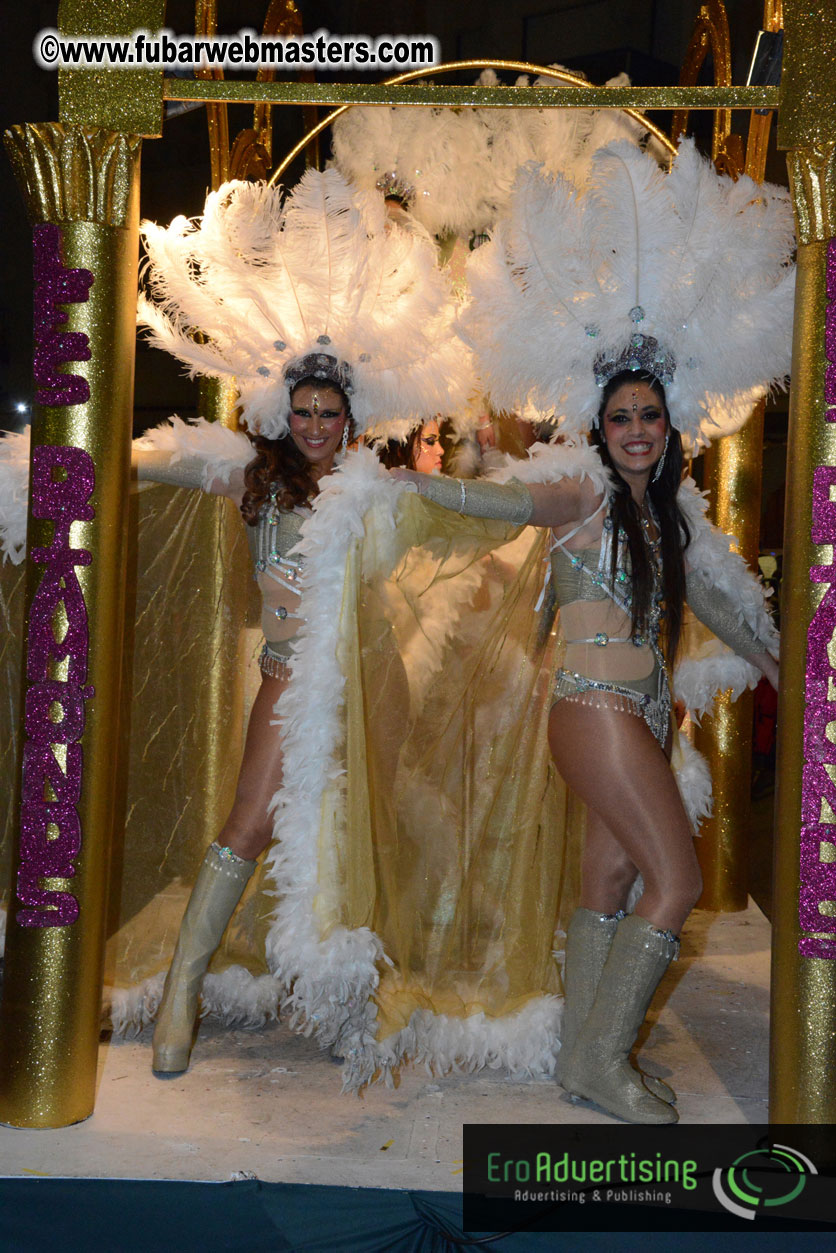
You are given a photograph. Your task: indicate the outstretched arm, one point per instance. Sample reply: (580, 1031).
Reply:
(723, 592)
(154, 465)
(537, 504)
(200, 455)
(720, 612)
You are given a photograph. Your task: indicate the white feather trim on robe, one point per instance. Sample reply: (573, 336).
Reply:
(710, 555)
(236, 997)
(212, 449)
(14, 494)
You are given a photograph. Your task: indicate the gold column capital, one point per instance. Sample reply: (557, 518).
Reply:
(75, 173)
(812, 174)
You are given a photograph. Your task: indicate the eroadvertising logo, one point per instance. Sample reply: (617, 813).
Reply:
(743, 1191)
(622, 1177)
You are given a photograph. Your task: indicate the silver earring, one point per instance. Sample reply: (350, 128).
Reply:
(660, 464)
(345, 435)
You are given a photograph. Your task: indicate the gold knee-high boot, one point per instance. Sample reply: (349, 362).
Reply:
(589, 937)
(598, 1067)
(218, 889)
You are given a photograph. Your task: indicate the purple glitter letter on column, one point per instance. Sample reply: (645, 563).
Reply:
(56, 285)
(817, 874)
(50, 830)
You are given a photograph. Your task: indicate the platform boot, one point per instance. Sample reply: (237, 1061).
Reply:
(588, 940)
(598, 1067)
(219, 887)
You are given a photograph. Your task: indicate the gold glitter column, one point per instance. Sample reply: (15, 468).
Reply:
(733, 475)
(733, 471)
(84, 182)
(803, 1030)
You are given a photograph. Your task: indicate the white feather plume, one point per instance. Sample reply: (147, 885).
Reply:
(260, 281)
(14, 493)
(704, 260)
(456, 167)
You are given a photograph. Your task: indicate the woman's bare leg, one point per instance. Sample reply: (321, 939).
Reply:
(249, 828)
(220, 884)
(636, 819)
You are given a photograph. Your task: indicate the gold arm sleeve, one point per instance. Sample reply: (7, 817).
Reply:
(716, 610)
(156, 465)
(480, 498)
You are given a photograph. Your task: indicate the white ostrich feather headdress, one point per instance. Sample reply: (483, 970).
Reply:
(436, 160)
(455, 168)
(686, 274)
(262, 282)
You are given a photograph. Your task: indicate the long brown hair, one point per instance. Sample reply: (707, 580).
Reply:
(626, 515)
(281, 464)
(396, 452)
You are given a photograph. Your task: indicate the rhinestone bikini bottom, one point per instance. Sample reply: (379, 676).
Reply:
(598, 694)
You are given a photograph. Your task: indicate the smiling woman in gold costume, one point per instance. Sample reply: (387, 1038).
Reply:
(631, 310)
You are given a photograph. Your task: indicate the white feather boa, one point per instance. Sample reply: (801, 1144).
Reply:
(710, 555)
(211, 451)
(332, 978)
(207, 452)
(14, 493)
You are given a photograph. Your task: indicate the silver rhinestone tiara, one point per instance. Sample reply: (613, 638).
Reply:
(319, 365)
(642, 353)
(391, 183)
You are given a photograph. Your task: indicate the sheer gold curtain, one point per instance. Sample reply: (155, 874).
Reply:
(444, 830)
(455, 848)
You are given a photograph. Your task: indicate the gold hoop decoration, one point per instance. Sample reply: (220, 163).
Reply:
(250, 154)
(711, 34)
(524, 67)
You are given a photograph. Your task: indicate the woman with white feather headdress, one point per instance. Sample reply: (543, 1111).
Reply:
(647, 309)
(452, 171)
(391, 916)
(327, 318)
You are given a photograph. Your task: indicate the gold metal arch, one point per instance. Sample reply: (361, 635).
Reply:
(524, 67)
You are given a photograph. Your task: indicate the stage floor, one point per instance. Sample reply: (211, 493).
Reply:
(268, 1103)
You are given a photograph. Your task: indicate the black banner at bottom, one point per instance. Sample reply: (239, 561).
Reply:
(537, 1177)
